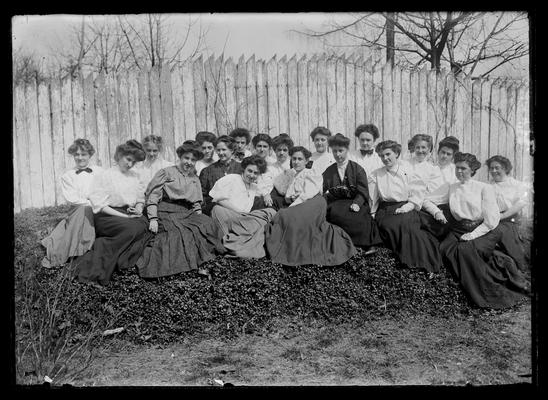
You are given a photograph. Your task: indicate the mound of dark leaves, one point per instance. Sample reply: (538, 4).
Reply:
(241, 296)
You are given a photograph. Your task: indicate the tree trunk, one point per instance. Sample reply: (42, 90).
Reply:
(390, 44)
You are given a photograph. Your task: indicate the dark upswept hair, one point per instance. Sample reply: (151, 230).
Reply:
(205, 136)
(418, 137)
(281, 139)
(370, 128)
(241, 132)
(320, 130)
(388, 144)
(190, 146)
(131, 147)
(506, 164)
(306, 153)
(261, 137)
(227, 140)
(339, 140)
(449, 141)
(157, 140)
(468, 158)
(81, 144)
(254, 160)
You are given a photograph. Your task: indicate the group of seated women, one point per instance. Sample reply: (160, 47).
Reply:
(293, 206)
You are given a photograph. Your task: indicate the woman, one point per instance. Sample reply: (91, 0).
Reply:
(490, 278)
(281, 145)
(262, 143)
(345, 186)
(321, 158)
(206, 140)
(435, 207)
(240, 212)
(153, 146)
(224, 146)
(184, 238)
(74, 235)
(242, 137)
(399, 195)
(511, 196)
(299, 233)
(117, 199)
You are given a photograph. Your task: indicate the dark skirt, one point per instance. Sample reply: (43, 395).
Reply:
(511, 242)
(72, 237)
(359, 225)
(119, 243)
(278, 200)
(431, 225)
(184, 241)
(301, 235)
(490, 278)
(402, 233)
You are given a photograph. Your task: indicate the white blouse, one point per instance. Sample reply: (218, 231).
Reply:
(397, 184)
(232, 188)
(273, 170)
(475, 201)
(440, 195)
(305, 185)
(147, 169)
(112, 187)
(201, 164)
(368, 163)
(320, 161)
(76, 187)
(510, 192)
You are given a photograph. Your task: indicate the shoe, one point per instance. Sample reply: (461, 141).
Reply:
(371, 250)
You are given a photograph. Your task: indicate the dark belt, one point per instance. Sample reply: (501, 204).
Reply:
(466, 224)
(181, 202)
(515, 219)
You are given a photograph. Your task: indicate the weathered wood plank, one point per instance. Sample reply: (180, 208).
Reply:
(283, 106)
(302, 105)
(15, 158)
(272, 93)
(66, 119)
(155, 101)
(262, 98)
(199, 94)
(34, 149)
(22, 142)
(90, 119)
(189, 109)
(331, 86)
(475, 144)
(396, 103)
(57, 139)
(376, 90)
(122, 95)
(322, 93)
(241, 94)
(251, 93)
(339, 125)
(293, 100)
(166, 98)
(177, 104)
(414, 102)
(511, 125)
(144, 104)
(104, 152)
(78, 108)
(387, 107)
(211, 94)
(431, 100)
(134, 118)
(220, 97)
(350, 102)
(459, 107)
(502, 115)
(313, 100)
(467, 114)
(114, 138)
(368, 102)
(359, 104)
(450, 125)
(46, 146)
(406, 105)
(493, 108)
(441, 106)
(483, 152)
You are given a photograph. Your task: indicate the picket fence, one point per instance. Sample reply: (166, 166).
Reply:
(276, 96)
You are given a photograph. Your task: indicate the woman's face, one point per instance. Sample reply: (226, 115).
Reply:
(125, 163)
(251, 174)
(497, 171)
(339, 153)
(223, 151)
(421, 150)
(320, 143)
(262, 149)
(463, 171)
(445, 155)
(152, 151)
(207, 149)
(240, 143)
(389, 158)
(367, 141)
(81, 158)
(187, 161)
(282, 153)
(298, 160)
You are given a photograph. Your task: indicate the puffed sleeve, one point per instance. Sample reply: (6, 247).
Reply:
(362, 184)
(70, 192)
(265, 183)
(417, 189)
(489, 211)
(311, 187)
(522, 195)
(154, 193)
(99, 191)
(373, 191)
(221, 189)
(141, 189)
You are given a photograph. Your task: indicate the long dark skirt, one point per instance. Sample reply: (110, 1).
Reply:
(511, 242)
(184, 241)
(402, 233)
(278, 200)
(72, 237)
(359, 225)
(119, 243)
(489, 277)
(301, 235)
(431, 225)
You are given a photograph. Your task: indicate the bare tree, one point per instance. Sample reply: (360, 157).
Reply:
(27, 68)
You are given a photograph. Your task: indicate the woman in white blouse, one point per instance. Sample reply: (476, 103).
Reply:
(117, 199)
(75, 234)
(299, 233)
(262, 144)
(399, 193)
(239, 210)
(321, 158)
(511, 196)
(153, 146)
(490, 280)
(282, 145)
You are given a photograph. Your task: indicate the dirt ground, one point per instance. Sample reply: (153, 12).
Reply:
(493, 348)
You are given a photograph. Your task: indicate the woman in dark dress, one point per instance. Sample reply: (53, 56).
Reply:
(117, 199)
(490, 278)
(184, 238)
(224, 146)
(345, 188)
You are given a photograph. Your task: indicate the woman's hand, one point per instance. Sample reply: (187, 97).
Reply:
(268, 200)
(153, 226)
(466, 237)
(440, 217)
(401, 210)
(135, 211)
(354, 207)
